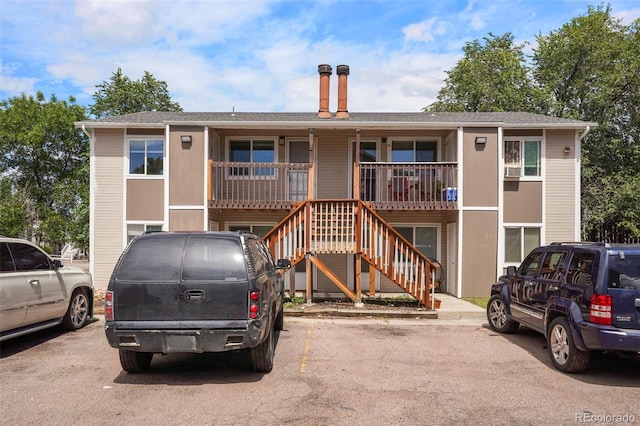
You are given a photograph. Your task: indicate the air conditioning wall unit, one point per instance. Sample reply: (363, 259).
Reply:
(511, 171)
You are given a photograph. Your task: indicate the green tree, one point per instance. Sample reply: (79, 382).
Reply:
(121, 95)
(591, 66)
(13, 218)
(45, 163)
(490, 77)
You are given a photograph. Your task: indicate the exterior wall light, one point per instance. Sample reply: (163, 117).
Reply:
(185, 138)
(481, 140)
(281, 140)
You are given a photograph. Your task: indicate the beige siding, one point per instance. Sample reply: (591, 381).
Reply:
(480, 173)
(145, 199)
(186, 179)
(186, 220)
(108, 209)
(560, 186)
(479, 252)
(522, 201)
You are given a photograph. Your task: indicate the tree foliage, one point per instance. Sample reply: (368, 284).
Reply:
(591, 66)
(121, 95)
(43, 158)
(490, 77)
(589, 69)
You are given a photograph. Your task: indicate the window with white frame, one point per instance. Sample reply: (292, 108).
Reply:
(146, 156)
(135, 229)
(519, 241)
(522, 157)
(252, 151)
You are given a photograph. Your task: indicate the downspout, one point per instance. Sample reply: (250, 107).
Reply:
(84, 130)
(92, 201)
(586, 132)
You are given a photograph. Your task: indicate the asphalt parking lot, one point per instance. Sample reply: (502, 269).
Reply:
(327, 372)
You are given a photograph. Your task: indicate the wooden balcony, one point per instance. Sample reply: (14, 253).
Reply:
(237, 185)
(383, 186)
(408, 186)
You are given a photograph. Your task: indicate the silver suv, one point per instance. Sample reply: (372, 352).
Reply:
(37, 292)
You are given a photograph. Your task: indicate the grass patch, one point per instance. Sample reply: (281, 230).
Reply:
(290, 302)
(480, 301)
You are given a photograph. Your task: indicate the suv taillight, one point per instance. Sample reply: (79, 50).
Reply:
(254, 304)
(108, 306)
(600, 310)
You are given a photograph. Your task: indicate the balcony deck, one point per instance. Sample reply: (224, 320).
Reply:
(383, 186)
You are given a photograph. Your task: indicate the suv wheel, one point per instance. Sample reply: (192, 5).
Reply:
(262, 355)
(135, 362)
(497, 316)
(563, 352)
(78, 311)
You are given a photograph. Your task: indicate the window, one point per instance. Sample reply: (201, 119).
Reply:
(424, 238)
(133, 230)
(217, 259)
(551, 266)
(530, 264)
(414, 151)
(519, 241)
(29, 258)
(146, 156)
(522, 158)
(252, 151)
(581, 269)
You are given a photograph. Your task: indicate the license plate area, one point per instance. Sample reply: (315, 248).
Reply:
(181, 343)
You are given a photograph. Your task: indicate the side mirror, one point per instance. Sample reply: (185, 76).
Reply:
(283, 264)
(511, 271)
(57, 263)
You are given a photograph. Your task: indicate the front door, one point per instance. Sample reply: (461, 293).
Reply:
(298, 182)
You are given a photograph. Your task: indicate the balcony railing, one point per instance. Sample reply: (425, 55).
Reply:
(385, 186)
(242, 185)
(408, 186)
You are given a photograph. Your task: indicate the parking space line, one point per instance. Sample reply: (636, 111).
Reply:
(305, 353)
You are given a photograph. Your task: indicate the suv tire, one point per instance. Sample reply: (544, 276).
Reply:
(497, 316)
(77, 313)
(135, 362)
(262, 355)
(564, 354)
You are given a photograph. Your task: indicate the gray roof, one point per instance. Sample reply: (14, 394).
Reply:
(368, 120)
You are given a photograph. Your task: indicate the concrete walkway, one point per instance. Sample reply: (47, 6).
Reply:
(452, 310)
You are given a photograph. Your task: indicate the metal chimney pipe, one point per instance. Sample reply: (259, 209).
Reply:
(325, 71)
(343, 72)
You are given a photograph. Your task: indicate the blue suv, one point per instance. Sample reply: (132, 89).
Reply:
(581, 296)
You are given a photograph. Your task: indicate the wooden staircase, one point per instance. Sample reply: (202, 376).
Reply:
(351, 227)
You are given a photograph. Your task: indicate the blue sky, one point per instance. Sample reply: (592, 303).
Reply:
(263, 55)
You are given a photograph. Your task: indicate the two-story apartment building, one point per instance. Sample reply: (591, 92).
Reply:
(362, 203)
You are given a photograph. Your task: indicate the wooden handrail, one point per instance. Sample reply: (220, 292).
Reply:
(350, 226)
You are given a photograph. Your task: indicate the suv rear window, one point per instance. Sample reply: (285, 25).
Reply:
(152, 259)
(624, 272)
(217, 259)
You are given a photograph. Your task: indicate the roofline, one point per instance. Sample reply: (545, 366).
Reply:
(333, 124)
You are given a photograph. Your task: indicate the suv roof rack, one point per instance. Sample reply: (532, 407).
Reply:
(580, 243)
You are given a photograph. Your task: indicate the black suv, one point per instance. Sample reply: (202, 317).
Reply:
(195, 292)
(581, 296)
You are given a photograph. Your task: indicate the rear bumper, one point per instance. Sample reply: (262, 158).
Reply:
(608, 338)
(184, 340)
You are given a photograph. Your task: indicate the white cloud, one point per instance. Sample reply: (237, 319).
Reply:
(628, 16)
(424, 31)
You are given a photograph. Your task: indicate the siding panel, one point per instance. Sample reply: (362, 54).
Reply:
(560, 214)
